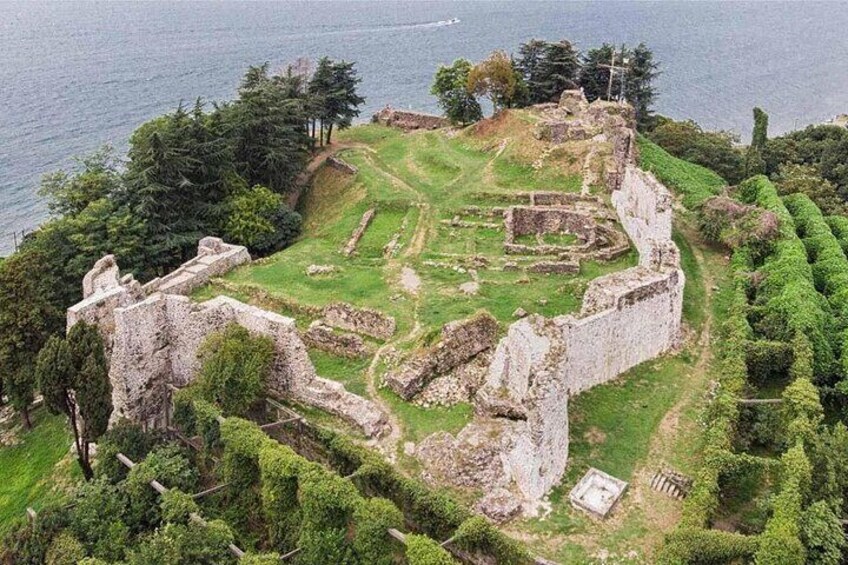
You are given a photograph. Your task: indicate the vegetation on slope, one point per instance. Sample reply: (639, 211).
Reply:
(693, 182)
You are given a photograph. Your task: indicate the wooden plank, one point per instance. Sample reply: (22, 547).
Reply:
(754, 401)
(400, 536)
(290, 554)
(209, 491)
(279, 423)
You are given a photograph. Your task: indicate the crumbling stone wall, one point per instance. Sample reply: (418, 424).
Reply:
(364, 321)
(341, 165)
(408, 120)
(214, 258)
(459, 343)
(323, 337)
(153, 340)
(357, 234)
(519, 442)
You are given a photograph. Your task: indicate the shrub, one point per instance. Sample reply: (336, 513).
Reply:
(28, 543)
(280, 468)
(65, 549)
(372, 543)
(476, 534)
(713, 150)
(242, 442)
(235, 366)
(124, 437)
(690, 545)
(97, 519)
(821, 531)
(177, 507)
(421, 550)
(260, 559)
(186, 543)
(260, 220)
(167, 464)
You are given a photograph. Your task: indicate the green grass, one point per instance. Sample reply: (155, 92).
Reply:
(418, 422)
(349, 372)
(694, 182)
(30, 472)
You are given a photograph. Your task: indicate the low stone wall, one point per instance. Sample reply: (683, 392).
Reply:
(524, 220)
(357, 234)
(408, 120)
(460, 342)
(341, 165)
(321, 336)
(214, 258)
(365, 321)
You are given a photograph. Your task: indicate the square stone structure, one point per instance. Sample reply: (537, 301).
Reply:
(597, 493)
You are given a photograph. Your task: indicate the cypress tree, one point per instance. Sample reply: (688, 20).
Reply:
(558, 70)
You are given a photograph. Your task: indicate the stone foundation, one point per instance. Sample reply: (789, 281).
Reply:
(408, 120)
(321, 336)
(364, 321)
(357, 234)
(341, 165)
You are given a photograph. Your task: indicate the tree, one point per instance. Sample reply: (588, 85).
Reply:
(260, 220)
(594, 76)
(712, 149)
(496, 78)
(73, 379)
(638, 85)
(806, 180)
(333, 87)
(557, 71)
(70, 193)
(754, 160)
(29, 314)
(451, 88)
(531, 56)
(822, 534)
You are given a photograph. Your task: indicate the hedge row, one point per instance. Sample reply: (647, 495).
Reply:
(787, 293)
(723, 411)
(830, 265)
(839, 228)
(305, 505)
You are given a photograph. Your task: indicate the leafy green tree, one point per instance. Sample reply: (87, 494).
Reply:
(29, 314)
(496, 78)
(260, 220)
(714, 150)
(806, 179)
(68, 194)
(73, 378)
(235, 367)
(451, 88)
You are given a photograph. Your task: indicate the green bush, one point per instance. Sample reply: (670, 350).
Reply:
(167, 464)
(28, 543)
(65, 549)
(372, 542)
(706, 547)
(97, 519)
(206, 543)
(124, 437)
(235, 366)
(421, 550)
(242, 442)
(821, 531)
(280, 469)
(477, 534)
(177, 506)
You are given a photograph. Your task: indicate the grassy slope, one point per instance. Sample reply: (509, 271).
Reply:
(693, 182)
(35, 468)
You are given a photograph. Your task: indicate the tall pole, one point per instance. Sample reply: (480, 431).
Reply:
(611, 72)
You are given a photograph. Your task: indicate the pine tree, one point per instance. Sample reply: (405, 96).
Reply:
(594, 78)
(343, 101)
(638, 85)
(754, 160)
(531, 57)
(558, 71)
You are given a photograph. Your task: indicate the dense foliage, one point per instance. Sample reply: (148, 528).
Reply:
(712, 149)
(450, 87)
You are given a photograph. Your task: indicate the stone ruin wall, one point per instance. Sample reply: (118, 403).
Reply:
(408, 120)
(153, 341)
(627, 318)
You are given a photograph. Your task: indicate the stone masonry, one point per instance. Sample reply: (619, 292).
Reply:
(408, 120)
(153, 341)
(518, 441)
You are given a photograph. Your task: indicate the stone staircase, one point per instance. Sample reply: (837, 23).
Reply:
(672, 483)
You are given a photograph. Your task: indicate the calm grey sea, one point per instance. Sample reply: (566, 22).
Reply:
(77, 75)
